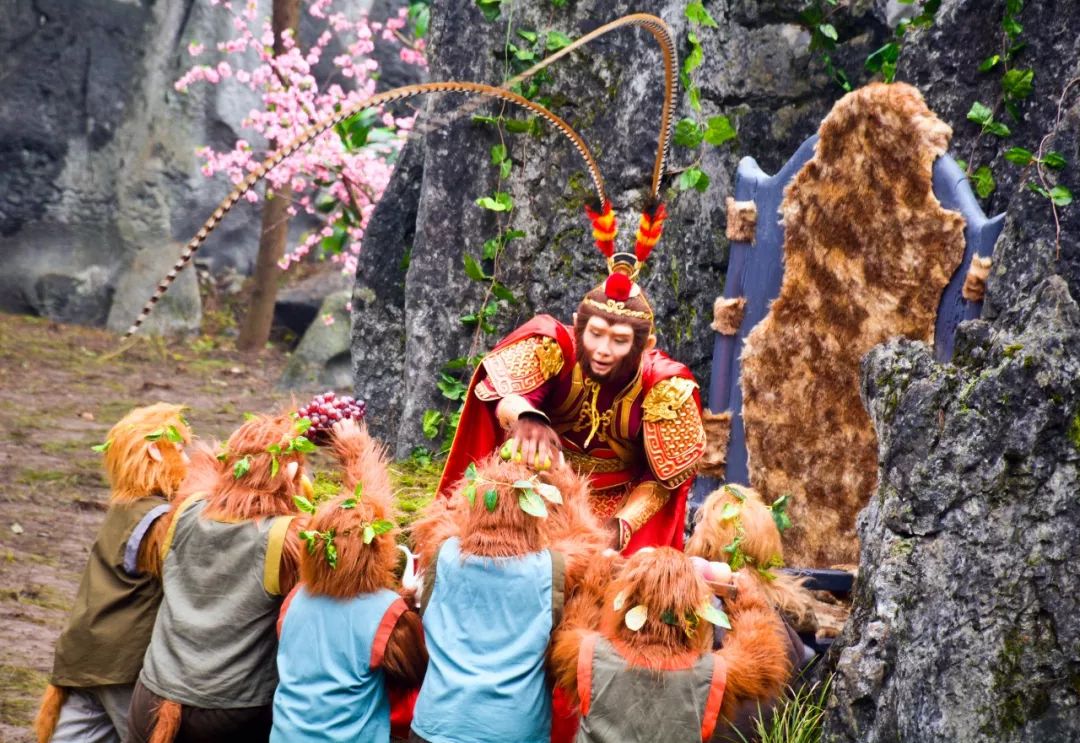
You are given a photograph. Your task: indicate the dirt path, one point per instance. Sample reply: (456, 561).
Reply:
(59, 395)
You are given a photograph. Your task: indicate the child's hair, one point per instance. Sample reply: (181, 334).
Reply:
(132, 473)
(665, 583)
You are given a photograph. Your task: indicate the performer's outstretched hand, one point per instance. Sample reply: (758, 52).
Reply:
(534, 442)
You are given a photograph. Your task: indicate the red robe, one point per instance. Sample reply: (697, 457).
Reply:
(479, 432)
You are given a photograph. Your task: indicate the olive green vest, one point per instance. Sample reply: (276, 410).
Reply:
(113, 615)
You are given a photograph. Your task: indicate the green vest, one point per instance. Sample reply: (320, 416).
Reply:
(113, 615)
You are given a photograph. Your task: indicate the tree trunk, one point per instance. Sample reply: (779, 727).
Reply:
(255, 329)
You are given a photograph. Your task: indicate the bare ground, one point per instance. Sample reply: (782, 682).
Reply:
(61, 389)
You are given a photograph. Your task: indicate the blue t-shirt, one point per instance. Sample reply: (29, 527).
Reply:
(327, 689)
(487, 627)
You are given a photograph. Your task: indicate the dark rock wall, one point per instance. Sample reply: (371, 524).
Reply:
(757, 70)
(966, 625)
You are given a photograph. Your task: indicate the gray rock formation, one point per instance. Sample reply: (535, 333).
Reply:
(966, 622)
(322, 359)
(406, 324)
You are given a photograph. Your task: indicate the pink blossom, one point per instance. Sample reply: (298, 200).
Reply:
(195, 49)
(328, 319)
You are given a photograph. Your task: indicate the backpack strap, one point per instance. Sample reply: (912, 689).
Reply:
(558, 586)
(134, 542)
(715, 698)
(166, 543)
(584, 671)
(275, 545)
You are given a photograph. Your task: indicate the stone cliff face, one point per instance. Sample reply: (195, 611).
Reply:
(966, 624)
(757, 70)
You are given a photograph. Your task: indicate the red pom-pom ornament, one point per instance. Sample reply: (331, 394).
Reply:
(618, 286)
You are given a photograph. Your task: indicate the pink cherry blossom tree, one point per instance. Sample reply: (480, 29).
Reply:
(339, 177)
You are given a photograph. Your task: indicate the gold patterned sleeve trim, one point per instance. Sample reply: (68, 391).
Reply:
(644, 502)
(520, 367)
(673, 431)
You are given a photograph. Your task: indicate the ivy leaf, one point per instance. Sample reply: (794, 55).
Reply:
(532, 504)
(713, 615)
(155, 435)
(779, 513)
(470, 493)
(303, 504)
(102, 448)
(828, 31)
(730, 511)
(498, 154)
(1061, 196)
(990, 63)
(451, 388)
(491, 499)
(548, 492)
(502, 202)
(431, 422)
(980, 114)
(1019, 156)
(694, 178)
(242, 467)
(490, 8)
(275, 465)
(983, 178)
(1054, 160)
(273, 449)
(348, 504)
(696, 13)
(998, 129)
(173, 436)
(688, 133)
(635, 618)
(301, 445)
(331, 553)
(302, 425)
(1033, 186)
(369, 534)
(718, 129)
(1017, 84)
(473, 269)
(1012, 27)
(501, 292)
(470, 472)
(696, 56)
(878, 59)
(505, 167)
(309, 536)
(420, 17)
(381, 526)
(735, 493)
(556, 40)
(529, 36)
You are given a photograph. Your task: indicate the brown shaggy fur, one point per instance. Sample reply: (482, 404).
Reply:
(868, 250)
(570, 528)
(49, 712)
(132, 473)
(975, 282)
(755, 650)
(365, 568)
(741, 220)
(727, 314)
(258, 494)
(762, 546)
(717, 438)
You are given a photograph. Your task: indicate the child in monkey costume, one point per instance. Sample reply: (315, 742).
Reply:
(635, 652)
(493, 592)
(345, 634)
(736, 527)
(100, 652)
(231, 554)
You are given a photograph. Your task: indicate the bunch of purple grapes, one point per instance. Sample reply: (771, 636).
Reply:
(327, 409)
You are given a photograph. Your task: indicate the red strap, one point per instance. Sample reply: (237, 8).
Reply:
(386, 626)
(584, 671)
(285, 608)
(716, 697)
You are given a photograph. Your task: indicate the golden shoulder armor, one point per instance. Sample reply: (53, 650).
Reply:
(520, 367)
(673, 431)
